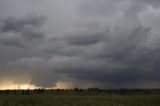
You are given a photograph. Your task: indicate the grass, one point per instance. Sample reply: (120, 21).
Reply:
(79, 100)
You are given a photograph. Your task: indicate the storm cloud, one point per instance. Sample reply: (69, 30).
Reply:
(21, 32)
(91, 43)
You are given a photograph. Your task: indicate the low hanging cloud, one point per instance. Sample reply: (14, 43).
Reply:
(129, 62)
(107, 44)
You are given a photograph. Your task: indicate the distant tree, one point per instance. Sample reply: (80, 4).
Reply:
(39, 91)
(76, 89)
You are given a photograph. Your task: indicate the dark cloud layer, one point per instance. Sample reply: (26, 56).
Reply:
(107, 43)
(21, 32)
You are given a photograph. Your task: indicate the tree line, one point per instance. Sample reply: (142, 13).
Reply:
(78, 91)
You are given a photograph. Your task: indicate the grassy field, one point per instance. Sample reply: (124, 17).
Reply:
(79, 100)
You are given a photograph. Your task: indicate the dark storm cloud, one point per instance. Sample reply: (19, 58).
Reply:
(83, 39)
(126, 43)
(17, 25)
(111, 43)
(124, 58)
(20, 32)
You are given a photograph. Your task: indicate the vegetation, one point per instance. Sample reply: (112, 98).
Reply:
(80, 97)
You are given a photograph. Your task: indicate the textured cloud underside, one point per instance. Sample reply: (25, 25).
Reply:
(104, 43)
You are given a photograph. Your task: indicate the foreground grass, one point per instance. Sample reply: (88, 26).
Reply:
(75, 100)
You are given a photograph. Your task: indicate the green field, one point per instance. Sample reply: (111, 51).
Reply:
(79, 100)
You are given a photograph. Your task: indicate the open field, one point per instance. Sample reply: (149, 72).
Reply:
(71, 98)
(50, 100)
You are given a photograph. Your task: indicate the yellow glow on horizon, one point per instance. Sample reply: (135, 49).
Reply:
(27, 86)
(18, 86)
(11, 86)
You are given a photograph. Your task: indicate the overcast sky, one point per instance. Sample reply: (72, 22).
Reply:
(80, 43)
